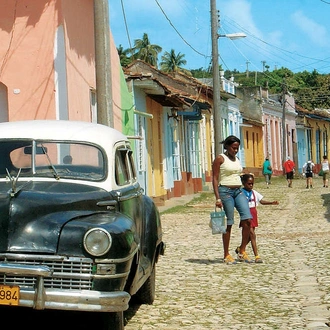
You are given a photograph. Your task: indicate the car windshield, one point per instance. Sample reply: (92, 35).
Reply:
(32, 158)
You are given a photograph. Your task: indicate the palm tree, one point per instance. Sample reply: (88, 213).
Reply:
(172, 62)
(145, 51)
(123, 56)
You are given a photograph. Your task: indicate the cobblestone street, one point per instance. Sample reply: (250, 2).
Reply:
(290, 290)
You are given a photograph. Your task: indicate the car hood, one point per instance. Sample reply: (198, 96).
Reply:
(31, 219)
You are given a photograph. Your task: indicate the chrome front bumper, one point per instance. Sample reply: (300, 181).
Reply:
(40, 297)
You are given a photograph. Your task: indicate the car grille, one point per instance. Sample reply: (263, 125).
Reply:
(68, 273)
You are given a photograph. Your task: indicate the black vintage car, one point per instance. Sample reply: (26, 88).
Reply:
(76, 231)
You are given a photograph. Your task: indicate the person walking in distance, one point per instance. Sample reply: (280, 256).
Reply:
(289, 167)
(254, 198)
(325, 170)
(267, 171)
(227, 186)
(308, 171)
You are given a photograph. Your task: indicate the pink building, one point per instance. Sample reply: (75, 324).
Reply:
(47, 62)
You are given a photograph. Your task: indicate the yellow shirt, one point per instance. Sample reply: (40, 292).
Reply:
(230, 172)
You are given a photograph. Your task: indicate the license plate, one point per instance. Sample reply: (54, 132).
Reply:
(9, 295)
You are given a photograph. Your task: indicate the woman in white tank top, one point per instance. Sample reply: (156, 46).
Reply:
(226, 181)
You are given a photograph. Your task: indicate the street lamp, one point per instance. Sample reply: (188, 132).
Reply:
(232, 36)
(218, 138)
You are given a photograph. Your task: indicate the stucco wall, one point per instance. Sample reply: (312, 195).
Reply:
(77, 18)
(47, 61)
(27, 31)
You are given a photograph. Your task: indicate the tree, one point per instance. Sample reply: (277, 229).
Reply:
(123, 56)
(172, 62)
(201, 73)
(145, 51)
(312, 91)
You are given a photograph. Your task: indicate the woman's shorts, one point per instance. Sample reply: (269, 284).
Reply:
(232, 198)
(289, 175)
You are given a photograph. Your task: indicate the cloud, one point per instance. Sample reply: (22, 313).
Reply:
(316, 32)
(275, 38)
(243, 15)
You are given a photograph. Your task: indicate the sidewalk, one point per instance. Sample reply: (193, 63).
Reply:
(177, 201)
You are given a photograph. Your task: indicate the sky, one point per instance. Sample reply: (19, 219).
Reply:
(293, 34)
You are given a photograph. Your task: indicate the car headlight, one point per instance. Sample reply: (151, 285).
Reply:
(97, 241)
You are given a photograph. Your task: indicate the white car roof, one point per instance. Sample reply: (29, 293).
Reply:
(65, 130)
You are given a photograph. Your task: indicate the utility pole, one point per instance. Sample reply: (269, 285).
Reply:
(284, 92)
(247, 69)
(216, 79)
(217, 120)
(102, 63)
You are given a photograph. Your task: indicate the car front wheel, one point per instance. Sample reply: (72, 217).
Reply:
(146, 294)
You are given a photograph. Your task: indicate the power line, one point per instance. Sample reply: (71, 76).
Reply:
(261, 44)
(254, 43)
(176, 30)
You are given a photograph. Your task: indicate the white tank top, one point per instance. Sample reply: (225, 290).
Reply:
(230, 172)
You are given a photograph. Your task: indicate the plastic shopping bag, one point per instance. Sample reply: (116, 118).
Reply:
(218, 222)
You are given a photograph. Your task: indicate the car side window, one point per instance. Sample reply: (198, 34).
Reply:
(121, 169)
(132, 165)
(125, 172)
